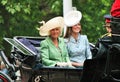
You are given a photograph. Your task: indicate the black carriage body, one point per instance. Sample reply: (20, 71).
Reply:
(52, 74)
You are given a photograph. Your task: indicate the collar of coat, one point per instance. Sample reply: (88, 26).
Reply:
(50, 40)
(72, 39)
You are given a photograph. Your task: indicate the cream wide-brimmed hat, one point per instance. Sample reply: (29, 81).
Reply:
(72, 18)
(56, 22)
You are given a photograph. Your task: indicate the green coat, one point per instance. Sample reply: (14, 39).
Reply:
(51, 54)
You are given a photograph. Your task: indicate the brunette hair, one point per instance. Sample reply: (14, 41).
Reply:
(69, 31)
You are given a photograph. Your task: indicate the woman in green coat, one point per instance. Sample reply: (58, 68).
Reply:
(53, 49)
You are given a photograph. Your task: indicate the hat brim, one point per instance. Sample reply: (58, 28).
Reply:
(56, 22)
(72, 18)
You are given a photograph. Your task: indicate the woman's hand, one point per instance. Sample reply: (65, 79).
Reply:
(76, 64)
(62, 64)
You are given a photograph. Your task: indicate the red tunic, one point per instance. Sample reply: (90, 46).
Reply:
(115, 10)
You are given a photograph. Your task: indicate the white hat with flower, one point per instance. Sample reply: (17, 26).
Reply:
(56, 22)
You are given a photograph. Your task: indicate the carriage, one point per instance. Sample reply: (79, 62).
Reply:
(26, 58)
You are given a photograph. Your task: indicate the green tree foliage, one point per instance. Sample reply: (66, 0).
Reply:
(21, 17)
(93, 20)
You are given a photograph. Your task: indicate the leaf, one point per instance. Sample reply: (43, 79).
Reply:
(17, 8)
(11, 10)
(27, 10)
(4, 2)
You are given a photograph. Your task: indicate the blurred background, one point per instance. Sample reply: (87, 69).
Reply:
(21, 17)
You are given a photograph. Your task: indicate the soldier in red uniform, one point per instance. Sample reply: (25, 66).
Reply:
(107, 25)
